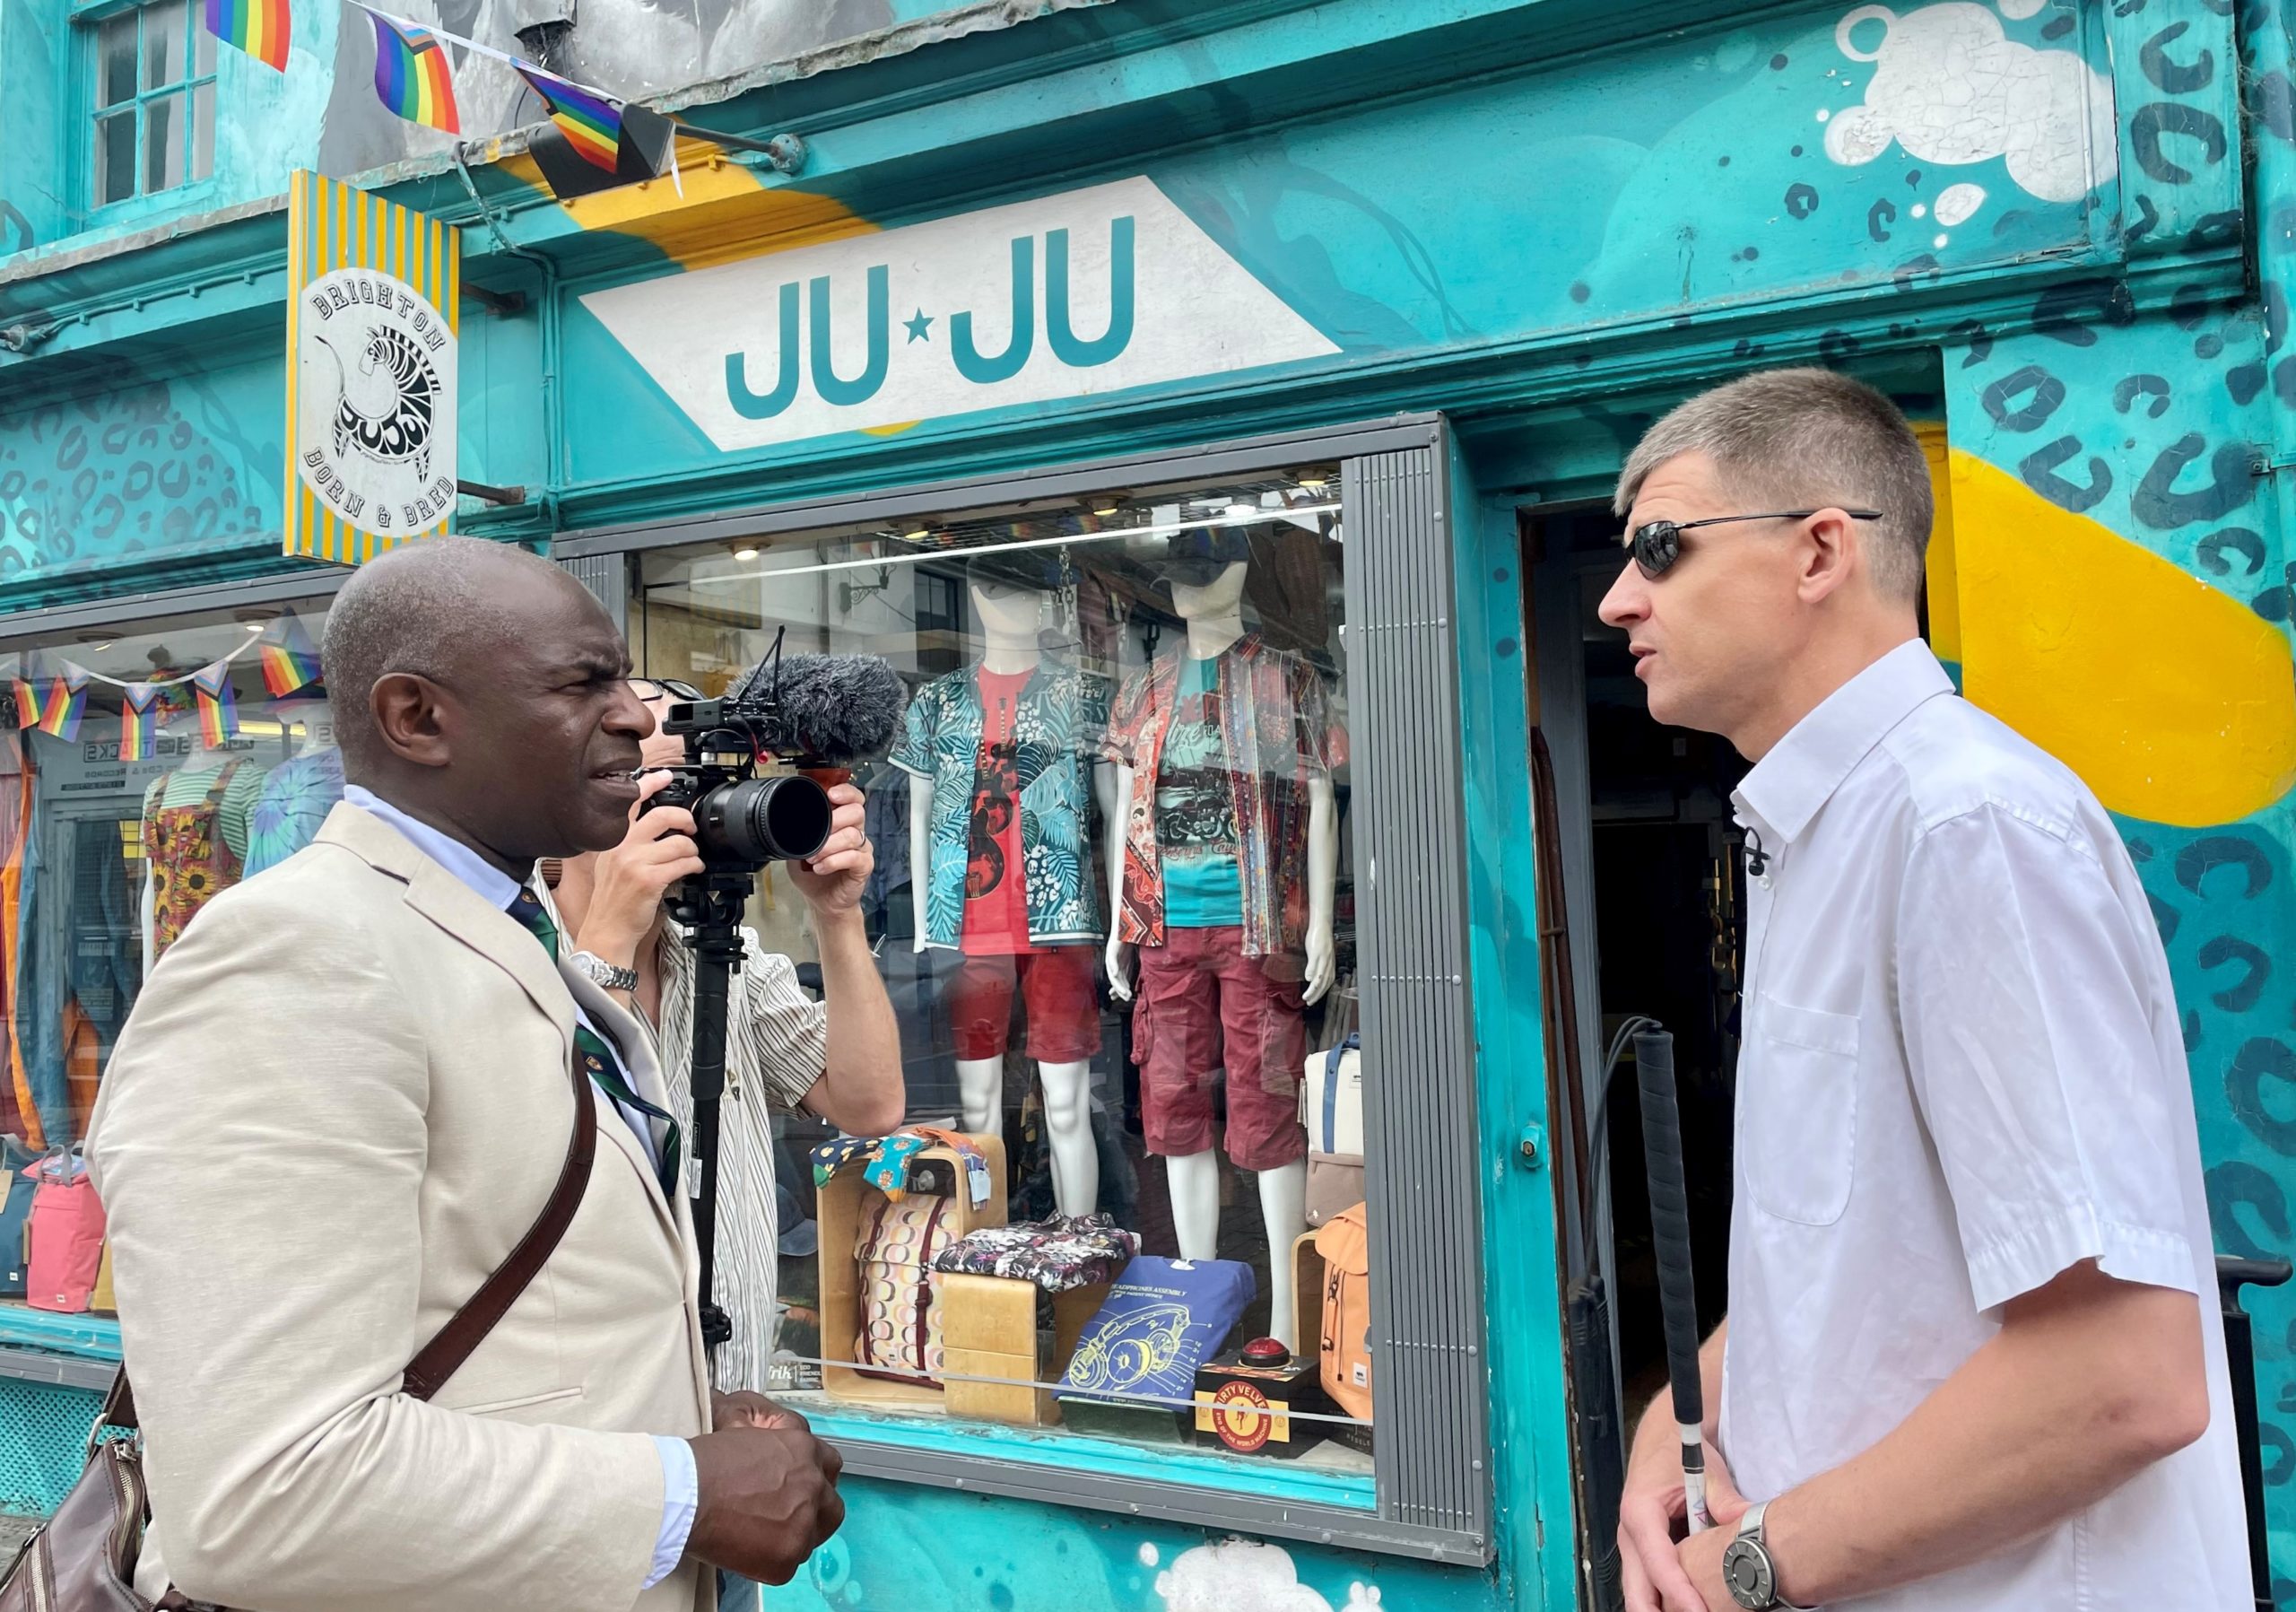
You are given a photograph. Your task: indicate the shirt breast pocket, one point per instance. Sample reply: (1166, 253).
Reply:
(1801, 1109)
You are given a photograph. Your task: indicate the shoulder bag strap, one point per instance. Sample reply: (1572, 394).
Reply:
(439, 1359)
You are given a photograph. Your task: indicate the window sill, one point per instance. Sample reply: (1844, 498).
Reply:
(1074, 1455)
(88, 1337)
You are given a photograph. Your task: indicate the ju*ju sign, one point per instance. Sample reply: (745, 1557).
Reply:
(373, 290)
(1074, 295)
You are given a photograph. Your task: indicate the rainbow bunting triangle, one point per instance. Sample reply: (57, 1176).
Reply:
(591, 123)
(261, 28)
(289, 661)
(219, 711)
(411, 76)
(28, 696)
(139, 720)
(66, 700)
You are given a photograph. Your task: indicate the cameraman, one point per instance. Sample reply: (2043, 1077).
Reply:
(839, 1058)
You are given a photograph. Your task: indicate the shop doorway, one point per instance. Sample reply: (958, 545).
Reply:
(1654, 881)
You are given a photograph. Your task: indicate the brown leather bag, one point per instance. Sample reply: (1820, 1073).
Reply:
(83, 1558)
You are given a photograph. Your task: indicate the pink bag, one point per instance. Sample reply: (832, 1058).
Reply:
(66, 1236)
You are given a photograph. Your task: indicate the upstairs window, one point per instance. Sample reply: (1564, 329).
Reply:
(153, 102)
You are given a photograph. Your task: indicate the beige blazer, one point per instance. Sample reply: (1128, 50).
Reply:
(341, 1100)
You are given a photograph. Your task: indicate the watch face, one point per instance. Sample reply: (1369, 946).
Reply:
(1746, 1570)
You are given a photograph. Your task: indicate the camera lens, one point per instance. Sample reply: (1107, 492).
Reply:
(762, 820)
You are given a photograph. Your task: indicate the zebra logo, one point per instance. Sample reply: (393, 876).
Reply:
(385, 415)
(375, 402)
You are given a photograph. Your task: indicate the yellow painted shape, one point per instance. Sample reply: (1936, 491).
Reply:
(724, 213)
(2175, 702)
(1944, 591)
(890, 430)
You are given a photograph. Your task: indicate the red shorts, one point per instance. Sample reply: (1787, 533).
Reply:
(1061, 989)
(1204, 1005)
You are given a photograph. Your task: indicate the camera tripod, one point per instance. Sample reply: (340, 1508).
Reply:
(708, 907)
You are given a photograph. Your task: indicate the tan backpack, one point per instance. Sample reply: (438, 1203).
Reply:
(1345, 1242)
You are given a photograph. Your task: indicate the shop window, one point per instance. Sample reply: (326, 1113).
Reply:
(151, 102)
(144, 767)
(1133, 716)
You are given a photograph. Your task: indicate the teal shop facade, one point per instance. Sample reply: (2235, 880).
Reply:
(1046, 246)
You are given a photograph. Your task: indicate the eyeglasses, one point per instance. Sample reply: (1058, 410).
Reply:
(1658, 543)
(663, 688)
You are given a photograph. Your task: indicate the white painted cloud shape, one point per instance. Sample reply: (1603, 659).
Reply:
(1958, 204)
(1238, 1573)
(1951, 88)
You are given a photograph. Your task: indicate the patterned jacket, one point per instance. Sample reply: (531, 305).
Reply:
(1059, 720)
(1275, 730)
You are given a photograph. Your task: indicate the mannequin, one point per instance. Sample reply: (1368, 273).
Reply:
(1213, 612)
(1010, 614)
(214, 793)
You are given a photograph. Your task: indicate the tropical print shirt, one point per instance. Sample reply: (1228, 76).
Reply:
(1059, 722)
(1276, 739)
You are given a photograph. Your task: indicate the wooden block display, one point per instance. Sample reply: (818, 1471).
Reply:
(992, 1328)
(842, 1212)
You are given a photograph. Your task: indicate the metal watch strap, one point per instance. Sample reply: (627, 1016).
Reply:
(606, 975)
(1750, 1529)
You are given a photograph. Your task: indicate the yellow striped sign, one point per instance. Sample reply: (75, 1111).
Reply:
(373, 314)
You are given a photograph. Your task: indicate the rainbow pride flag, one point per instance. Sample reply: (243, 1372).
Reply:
(412, 75)
(139, 720)
(289, 661)
(28, 698)
(219, 711)
(591, 123)
(66, 702)
(261, 28)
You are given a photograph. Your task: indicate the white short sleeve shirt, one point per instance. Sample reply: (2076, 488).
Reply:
(1961, 1074)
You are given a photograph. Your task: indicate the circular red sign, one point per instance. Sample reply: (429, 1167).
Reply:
(1241, 1417)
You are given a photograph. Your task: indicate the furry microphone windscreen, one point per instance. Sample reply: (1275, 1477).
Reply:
(834, 709)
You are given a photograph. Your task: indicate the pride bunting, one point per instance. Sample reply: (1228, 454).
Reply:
(289, 661)
(591, 123)
(219, 711)
(139, 720)
(66, 701)
(261, 28)
(411, 76)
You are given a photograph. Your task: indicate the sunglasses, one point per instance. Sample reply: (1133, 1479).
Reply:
(1658, 543)
(663, 688)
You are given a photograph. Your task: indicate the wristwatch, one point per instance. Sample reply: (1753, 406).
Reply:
(1748, 1571)
(604, 974)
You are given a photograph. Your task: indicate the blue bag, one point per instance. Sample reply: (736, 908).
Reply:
(1162, 1320)
(16, 1214)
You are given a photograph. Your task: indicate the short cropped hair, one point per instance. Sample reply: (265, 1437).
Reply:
(1807, 438)
(428, 608)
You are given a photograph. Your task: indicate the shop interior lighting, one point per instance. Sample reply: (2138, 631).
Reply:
(746, 552)
(1165, 527)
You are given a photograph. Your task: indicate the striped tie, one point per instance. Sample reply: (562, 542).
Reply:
(598, 1058)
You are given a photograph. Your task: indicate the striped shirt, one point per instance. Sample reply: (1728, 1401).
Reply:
(777, 1046)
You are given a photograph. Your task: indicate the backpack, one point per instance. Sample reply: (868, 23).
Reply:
(900, 1324)
(1345, 1244)
(1331, 1106)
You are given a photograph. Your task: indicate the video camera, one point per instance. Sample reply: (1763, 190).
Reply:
(819, 713)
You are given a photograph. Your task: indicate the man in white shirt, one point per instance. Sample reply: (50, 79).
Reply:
(1972, 1361)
